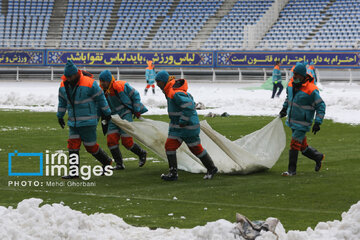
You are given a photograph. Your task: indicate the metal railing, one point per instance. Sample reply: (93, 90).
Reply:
(245, 75)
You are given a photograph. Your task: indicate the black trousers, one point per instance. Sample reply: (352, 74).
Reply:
(275, 87)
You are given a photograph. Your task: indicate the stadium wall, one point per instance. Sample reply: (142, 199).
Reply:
(345, 59)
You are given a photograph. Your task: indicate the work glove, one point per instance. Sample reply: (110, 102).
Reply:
(283, 112)
(276, 82)
(105, 123)
(107, 118)
(316, 128)
(61, 122)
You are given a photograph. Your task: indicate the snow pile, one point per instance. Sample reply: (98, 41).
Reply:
(342, 100)
(29, 221)
(346, 229)
(38, 96)
(56, 221)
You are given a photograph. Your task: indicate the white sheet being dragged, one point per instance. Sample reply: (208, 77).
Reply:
(254, 152)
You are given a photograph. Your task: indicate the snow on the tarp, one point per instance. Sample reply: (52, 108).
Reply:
(56, 221)
(342, 100)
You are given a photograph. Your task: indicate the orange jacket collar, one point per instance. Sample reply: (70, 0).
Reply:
(64, 79)
(110, 89)
(114, 85)
(170, 90)
(307, 87)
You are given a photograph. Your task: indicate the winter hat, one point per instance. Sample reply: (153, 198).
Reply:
(162, 76)
(70, 69)
(312, 63)
(300, 68)
(306, 63)
(105, 76)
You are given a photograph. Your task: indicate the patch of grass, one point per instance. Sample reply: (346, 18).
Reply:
(298, 202)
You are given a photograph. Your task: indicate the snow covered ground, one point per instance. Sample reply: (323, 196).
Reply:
(342, 100)
(56, 221)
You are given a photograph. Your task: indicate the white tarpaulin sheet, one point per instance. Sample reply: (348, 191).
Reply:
(254, 152)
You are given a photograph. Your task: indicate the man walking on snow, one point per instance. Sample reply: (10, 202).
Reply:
(123, 100)
(302, 101)
(184, 125)
(80, 95)
(276, 79)
(150, 77)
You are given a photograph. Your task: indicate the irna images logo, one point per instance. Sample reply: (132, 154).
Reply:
(25, 155)
(56, 164)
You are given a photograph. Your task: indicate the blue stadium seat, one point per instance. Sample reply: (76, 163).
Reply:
(89, 19)
(228, 32)
(186, 21)
(24, 21)
(29, 20)
(136, 18)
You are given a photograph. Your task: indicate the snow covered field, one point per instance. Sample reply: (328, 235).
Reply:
(56, 221)
(342, 100)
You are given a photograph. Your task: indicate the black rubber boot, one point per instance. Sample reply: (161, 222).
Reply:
(209, 164)
(172, 175)
(145, 91)
(72, 166)
(315, 155)
(293, 157)
(102, 157)
(118, 159)
(153, 90)
(141, 153)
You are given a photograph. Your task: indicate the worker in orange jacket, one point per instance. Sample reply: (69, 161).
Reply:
(150, 77)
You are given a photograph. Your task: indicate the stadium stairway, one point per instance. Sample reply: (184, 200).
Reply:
(211, 24)
(112, 23)
(56, 23)
(4, 7)
(270, 27)
(320, 25)
(158, 23)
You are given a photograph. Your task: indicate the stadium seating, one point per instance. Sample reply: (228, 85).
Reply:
(25, 20)
(229, 34)
(86, 22)
(177, 31)
(342, 29)
(2, 26)
(170, 24)
(297, 20)
(136, 19)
